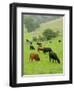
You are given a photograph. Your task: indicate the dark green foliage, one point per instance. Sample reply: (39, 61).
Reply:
(31, 23)
(49, 34)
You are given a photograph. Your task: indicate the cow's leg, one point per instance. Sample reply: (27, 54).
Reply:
(49, 59)
(53, 60)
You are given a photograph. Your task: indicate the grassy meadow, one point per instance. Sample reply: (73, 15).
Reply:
(44, 66)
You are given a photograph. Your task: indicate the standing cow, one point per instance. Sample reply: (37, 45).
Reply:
(45, 49)
(53, 56)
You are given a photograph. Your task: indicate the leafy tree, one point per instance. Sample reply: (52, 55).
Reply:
(49, 34)
(31, 23)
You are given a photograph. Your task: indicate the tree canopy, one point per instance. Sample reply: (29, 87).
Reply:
(49, 34)
(31, 23)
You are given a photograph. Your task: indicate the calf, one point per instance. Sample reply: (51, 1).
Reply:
(34, 56)
(53, 56)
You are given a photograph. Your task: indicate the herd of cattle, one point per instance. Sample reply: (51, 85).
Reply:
(35, 56)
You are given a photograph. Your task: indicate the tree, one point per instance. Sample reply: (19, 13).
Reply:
(31, 23)
(49, 34)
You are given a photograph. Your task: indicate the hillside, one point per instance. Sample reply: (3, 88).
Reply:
(55, 25)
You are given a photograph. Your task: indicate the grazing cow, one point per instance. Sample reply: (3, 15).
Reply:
(32, 47)
(39, 44)
(59, 41)
(44, 49)
(34, 56)
(53, 56)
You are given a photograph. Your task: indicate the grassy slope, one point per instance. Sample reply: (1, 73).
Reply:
(54, 25)
(44, 66)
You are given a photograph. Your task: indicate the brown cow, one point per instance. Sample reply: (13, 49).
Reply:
(34, 56)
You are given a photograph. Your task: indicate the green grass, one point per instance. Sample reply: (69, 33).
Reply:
(44, 66)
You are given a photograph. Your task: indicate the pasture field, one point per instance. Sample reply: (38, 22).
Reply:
(44, 66)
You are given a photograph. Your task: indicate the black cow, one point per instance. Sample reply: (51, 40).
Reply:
(32, 47)
(53, 56)
(45, 50)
